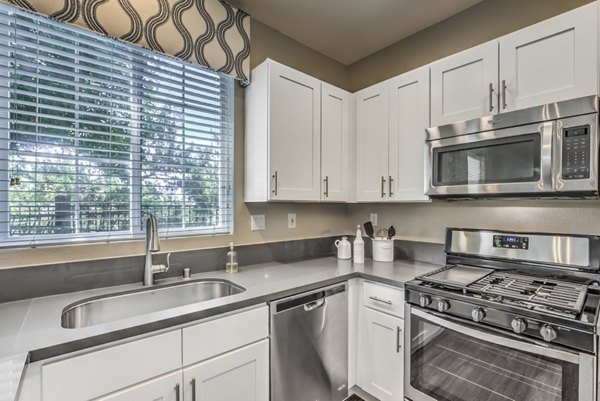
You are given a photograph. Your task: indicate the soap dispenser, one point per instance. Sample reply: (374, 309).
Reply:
(231, 266)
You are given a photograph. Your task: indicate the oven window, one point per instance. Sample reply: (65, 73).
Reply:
(514, 159)
(450, 366)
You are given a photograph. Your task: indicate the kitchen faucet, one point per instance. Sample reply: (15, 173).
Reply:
(153, 245)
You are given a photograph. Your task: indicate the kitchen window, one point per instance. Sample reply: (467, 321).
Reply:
(95, 133)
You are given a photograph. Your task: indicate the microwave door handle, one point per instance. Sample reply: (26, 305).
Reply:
(502, 341)
(546, 183)
(557, 157)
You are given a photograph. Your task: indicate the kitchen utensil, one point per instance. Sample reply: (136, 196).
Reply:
(382, 233)
(391, 232)
(344, 248)
(369, 230)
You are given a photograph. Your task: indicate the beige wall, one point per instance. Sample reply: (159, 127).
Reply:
(427, 222)
(485, 21)
(312, 220)
(267, 42)
(489, 19)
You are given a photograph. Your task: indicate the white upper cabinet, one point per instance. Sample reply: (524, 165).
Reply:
(408, 119)
(554, 60)
(372, 135)
(464, 85)
(283, 135)
(297, 137)
(335, 144)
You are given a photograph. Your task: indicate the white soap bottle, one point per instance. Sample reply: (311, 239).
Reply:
(359, 247)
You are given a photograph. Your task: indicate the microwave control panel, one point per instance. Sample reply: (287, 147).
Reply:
(576, 153)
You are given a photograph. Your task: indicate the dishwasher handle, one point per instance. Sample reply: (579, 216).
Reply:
(311, 306)
(309, 301)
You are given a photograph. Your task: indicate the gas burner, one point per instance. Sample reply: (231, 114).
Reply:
(550, 295)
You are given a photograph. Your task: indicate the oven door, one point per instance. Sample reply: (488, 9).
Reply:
(448, 360)
(515, 160)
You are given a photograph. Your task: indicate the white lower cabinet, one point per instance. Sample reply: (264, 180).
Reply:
(242, 374)
(164, 388)
(226, 364)
(380, 356)
(383, 356)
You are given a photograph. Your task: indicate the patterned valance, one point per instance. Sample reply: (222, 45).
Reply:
(210, 33)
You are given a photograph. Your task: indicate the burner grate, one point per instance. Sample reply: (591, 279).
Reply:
(550, 294)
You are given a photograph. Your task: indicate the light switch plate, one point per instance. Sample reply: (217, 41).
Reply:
(257, 222)
(291, 220)
(373, 219)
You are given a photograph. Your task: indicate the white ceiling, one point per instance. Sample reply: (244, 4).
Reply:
(348, 30)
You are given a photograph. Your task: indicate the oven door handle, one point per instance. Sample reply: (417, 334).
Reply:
(498, 340)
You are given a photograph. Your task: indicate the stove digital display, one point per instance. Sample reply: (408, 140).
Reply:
(511, 241)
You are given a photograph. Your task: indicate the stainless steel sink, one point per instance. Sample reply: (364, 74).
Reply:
(110, 307)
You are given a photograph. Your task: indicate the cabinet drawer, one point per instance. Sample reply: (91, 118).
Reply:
(225, 334)
(100, 372)
(383, 298)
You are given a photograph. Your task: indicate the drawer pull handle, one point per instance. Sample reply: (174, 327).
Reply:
(193, 383)
(383, 301)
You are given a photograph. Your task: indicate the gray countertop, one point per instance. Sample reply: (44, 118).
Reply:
(33, 327)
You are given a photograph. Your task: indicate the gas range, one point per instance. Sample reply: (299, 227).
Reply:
(539, 286)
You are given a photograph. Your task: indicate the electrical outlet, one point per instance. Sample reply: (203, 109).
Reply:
(373, 219)
(291, 220)
(257, 222)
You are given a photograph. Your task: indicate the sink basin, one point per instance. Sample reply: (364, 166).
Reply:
(110, 307)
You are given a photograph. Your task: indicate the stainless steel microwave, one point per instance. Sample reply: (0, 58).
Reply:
(545, 151)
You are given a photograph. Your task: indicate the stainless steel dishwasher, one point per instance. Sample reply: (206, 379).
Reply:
(309, 346)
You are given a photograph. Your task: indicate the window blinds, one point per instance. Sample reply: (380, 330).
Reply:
(95, 133)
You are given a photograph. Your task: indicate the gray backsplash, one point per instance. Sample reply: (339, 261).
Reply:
(37, 281)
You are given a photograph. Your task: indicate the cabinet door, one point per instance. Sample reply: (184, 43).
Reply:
(383, 356)
(372, 135)
(242, 374)
(409, 117)
(165, 388)
(335, 143)
(554, 60)
(294, 134)
(464, 86)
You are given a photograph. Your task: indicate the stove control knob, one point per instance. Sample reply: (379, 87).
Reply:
(548, 333)
(424, 300)
(478, 314)
(443, 305)
(518, 325)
